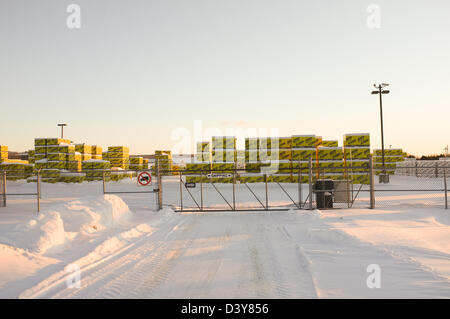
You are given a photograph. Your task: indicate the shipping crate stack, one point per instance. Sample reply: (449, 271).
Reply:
(53, 156)
(31, 156)
(94, 169)
(304, 148)
(96, 152)
(119, 158)
(84, 150)
(252, 164)
(136, 164)
(356, 157)
(165, 160)
(203, 153)
(223, 159)
(15, 169)
(276, 158)
(392, 157)
(330, 162)
(3, 153)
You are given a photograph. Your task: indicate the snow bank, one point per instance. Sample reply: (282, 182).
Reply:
(64, 222)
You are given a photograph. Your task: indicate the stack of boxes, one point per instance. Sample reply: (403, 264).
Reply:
(356, 157)
(304, 148)
(276, 158)
(203, 152)
(392, 156)
(165, 161)
(31, 156)
(223, 158)
(15, 169)
(330, 162)
(84, 150)
(119, 158)
(52, 155)
(3, 153)
(252, 163)
(94, 169)
(96, 152)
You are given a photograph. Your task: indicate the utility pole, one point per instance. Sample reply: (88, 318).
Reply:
(62, 129)
(383, 177)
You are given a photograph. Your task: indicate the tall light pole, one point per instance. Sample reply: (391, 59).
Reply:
(384, 178)
(62, 129)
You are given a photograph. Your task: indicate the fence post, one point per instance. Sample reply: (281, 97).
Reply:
(159, 187)
(234, 186)
(4, 188)
(372, 188)
(436, 170)
(38, 185)
(445, 187)
(104, 186)
(201, 190)
(181, 191)
(310, 184)
(267, 199)
(299, 185)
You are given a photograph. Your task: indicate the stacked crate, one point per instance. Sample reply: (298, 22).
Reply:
(53, 155)
(95, 169)
(15, 169)
(330, 143)
(392, 156)
(31, 156)
(136, 164)
(276, 158)
(3, 153)
(356, 157)
(165, 161)
(119, 158)
(96, 152)
(203, 152)
(252, 163)
(198, 172)
(223, 159)
(330, 162)
(304, 148)
(84, 150)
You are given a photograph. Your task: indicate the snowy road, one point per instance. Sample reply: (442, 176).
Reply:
(237, 255)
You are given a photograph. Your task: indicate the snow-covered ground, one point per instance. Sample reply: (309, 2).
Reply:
(125, 248)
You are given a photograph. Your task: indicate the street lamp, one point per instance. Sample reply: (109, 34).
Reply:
(383, 178)
(62, 129)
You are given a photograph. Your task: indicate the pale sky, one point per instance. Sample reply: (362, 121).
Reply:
(138, 71)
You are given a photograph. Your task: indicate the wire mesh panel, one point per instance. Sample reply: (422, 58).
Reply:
(421, 188)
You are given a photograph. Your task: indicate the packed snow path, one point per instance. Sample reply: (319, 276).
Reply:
(246, 255)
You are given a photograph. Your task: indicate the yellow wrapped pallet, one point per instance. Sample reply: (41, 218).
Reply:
(357, 139)
(119, 149)
(285, 142)
(308, 141)
(357, 152)
(96, 150)
(330, 143)
(387, 159)
(388, 152)
(198, 168)
(203, 147)
(318, 141)
(251, 178)
(303, 153)
(251, 143)
(329, 153)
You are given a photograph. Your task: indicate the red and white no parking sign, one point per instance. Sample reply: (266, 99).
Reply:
(144, 178)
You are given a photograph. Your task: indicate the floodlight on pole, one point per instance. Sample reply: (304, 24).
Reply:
(383, 177)
(62, 129)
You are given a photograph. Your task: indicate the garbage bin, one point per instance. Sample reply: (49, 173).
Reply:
(323, 188)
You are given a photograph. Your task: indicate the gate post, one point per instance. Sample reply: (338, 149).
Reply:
(103, 178)
(372, 190)
(299, 184)
(4, 188)
(267, 199)
(310, 184)
(38, 192)
(445, 187)
(234, 186)
(159, 187)
(181, 191)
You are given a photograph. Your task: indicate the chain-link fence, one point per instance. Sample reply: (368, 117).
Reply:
(307, 185)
